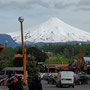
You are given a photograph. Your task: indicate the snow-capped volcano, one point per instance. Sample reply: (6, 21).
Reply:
(53, 30)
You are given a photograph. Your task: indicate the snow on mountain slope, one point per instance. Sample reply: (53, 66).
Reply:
(53, 30)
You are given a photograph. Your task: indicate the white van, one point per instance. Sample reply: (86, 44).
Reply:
(65, 78)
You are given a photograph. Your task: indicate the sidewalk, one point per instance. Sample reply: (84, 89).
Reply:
(3, 88)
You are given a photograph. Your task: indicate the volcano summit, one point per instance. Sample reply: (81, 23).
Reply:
(54, 30)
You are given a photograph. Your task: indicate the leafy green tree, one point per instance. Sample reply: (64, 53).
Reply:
(60, 59)
(18, 62)
(2, 64)
(33, 70)
(9, 63)
(39, 55)
(66, 53)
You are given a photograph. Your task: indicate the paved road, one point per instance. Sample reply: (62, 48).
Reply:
(53, 87)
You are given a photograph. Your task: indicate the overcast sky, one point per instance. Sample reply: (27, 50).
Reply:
(73, 12)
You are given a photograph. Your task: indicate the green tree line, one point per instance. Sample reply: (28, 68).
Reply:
(63, 53)
(68, 50)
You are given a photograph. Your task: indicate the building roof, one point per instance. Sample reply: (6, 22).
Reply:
(50, 65)
(62, 66)
(58, 66)
(18, 56)
(86, 59)
(13, 69)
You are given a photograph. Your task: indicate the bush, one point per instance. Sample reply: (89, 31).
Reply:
(33, 71)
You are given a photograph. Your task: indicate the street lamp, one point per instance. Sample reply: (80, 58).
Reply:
(21, 19)
(6, 52)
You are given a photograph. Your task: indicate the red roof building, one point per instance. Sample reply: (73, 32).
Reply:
(61, 67)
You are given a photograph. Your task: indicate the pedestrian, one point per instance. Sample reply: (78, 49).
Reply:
(19, 83)
(11, 82)
(37, 83)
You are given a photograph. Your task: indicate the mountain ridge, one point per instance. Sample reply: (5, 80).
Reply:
(54, 30)
(11, 42)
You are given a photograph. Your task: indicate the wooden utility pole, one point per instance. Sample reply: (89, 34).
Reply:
(48, 63)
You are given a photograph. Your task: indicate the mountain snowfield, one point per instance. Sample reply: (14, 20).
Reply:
(54, 30)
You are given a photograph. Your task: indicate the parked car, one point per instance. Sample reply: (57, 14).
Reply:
(81, 79)
(45, 76)
(65, 78)
(41, 75)
(2, 77)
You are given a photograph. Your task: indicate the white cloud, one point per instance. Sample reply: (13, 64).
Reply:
(38, 11)
(83, 5)
(27, 4)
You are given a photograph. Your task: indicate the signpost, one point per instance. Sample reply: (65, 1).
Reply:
(48, 59)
